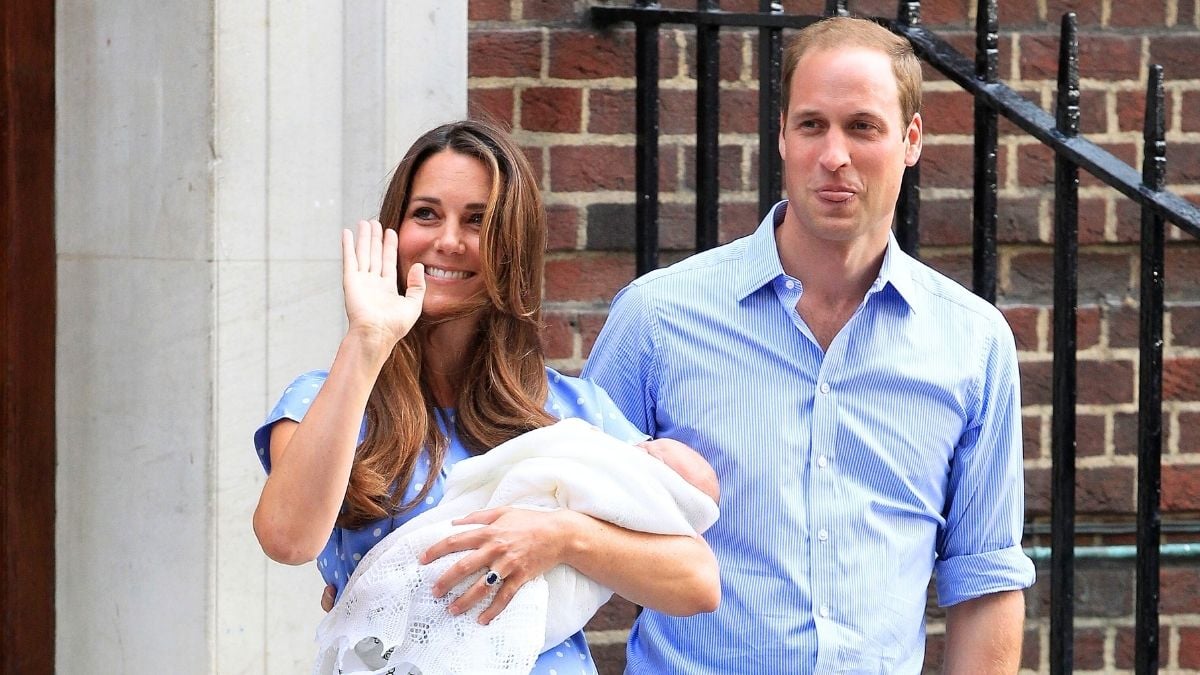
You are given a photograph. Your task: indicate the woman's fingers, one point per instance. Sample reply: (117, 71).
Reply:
(506, 588)
(362, 246)
(474, 594)
(390, 242)
(414, 288)
(349, 259)
(376, 262)
(503, 596)
(484, 517)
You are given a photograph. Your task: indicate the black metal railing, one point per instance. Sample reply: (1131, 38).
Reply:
(993, 98)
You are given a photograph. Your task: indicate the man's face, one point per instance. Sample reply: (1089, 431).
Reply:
(843, 144)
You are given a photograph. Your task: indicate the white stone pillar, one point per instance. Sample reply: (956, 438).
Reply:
(209, 153)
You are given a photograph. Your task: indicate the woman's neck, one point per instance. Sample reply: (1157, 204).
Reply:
(445, 357)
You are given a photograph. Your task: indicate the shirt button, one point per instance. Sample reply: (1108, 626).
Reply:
(821, 461)
(825, 611)
(824, 387)
(790, 284)
(823, 535)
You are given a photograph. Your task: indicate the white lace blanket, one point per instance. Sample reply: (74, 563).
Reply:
(387, 618)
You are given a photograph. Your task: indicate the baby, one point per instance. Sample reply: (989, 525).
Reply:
(387, 618)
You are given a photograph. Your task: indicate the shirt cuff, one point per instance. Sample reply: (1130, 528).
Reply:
(966, 577)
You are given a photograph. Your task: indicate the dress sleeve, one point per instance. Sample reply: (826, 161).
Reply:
(612, 420)
(979, 549)
(624, 360)
(292, 405)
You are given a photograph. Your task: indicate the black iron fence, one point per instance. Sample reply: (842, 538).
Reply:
(1059, 132)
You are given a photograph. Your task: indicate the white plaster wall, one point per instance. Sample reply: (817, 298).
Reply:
(208, 155)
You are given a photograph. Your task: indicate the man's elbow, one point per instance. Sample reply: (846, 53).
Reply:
(711, 600)
(704, 595)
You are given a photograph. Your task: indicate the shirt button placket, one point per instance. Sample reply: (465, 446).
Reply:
(825, 551)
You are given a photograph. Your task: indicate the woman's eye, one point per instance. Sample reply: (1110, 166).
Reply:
(475, 219)
(423, 213)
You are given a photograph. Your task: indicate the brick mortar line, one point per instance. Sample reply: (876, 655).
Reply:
(577, 306)
(1114, 461)
(582, 198)
(1168, 620)
(1096, 408)
(1043, 27)
(607, 637)
(1110, 353)
(677, 83)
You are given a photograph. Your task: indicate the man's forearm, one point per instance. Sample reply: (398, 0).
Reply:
(984, 635)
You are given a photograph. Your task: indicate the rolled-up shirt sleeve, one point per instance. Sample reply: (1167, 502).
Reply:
(979, 548)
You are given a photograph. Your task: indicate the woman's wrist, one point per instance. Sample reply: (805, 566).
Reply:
(574, 536)
(370, 341)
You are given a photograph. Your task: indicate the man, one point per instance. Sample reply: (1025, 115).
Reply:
(861, 410)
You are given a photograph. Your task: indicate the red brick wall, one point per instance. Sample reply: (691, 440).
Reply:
(567, 91)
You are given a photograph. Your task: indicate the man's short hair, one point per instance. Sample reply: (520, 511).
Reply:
(840, 32)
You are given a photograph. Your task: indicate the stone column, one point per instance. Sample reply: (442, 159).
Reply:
(209, 154)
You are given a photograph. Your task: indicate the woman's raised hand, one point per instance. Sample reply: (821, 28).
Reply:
(374, 305)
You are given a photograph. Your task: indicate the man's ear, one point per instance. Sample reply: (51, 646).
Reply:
(782, 122)
(913, 138)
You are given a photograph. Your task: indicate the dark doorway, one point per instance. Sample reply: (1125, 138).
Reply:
(27, 329)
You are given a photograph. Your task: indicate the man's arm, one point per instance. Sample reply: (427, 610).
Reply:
(983, 635)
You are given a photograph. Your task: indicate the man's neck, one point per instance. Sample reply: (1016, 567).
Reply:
(837, 271)
(835, 276)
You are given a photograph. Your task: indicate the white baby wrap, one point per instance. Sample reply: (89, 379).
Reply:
(387, 603)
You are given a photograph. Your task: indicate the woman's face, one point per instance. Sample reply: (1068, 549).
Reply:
(440, 229)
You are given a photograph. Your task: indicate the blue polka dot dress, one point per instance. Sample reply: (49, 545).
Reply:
(569, 397)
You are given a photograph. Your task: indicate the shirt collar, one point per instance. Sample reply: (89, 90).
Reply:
(897, 271)
(762, 262)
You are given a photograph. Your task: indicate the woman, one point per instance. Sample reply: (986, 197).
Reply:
(447, 365)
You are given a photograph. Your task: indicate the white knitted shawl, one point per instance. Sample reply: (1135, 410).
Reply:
(387, 618)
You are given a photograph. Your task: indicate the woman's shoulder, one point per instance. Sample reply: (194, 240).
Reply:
(571, 388)
(582, 398)
(298, 395)
(292, 405)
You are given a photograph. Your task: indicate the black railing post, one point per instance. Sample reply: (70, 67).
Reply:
(646, 149)
(708, 132)
(909, 13)
(908, 212)
(908, 207)
(1063, 394)
(983, 216)
(1154, 167)
(770, 72)
(836, 8)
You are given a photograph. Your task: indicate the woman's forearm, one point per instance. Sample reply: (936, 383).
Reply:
(671, 574)
(311, 461)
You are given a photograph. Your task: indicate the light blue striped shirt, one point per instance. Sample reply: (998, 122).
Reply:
(847, 477)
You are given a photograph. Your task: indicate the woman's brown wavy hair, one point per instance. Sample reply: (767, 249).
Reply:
(503, 386)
